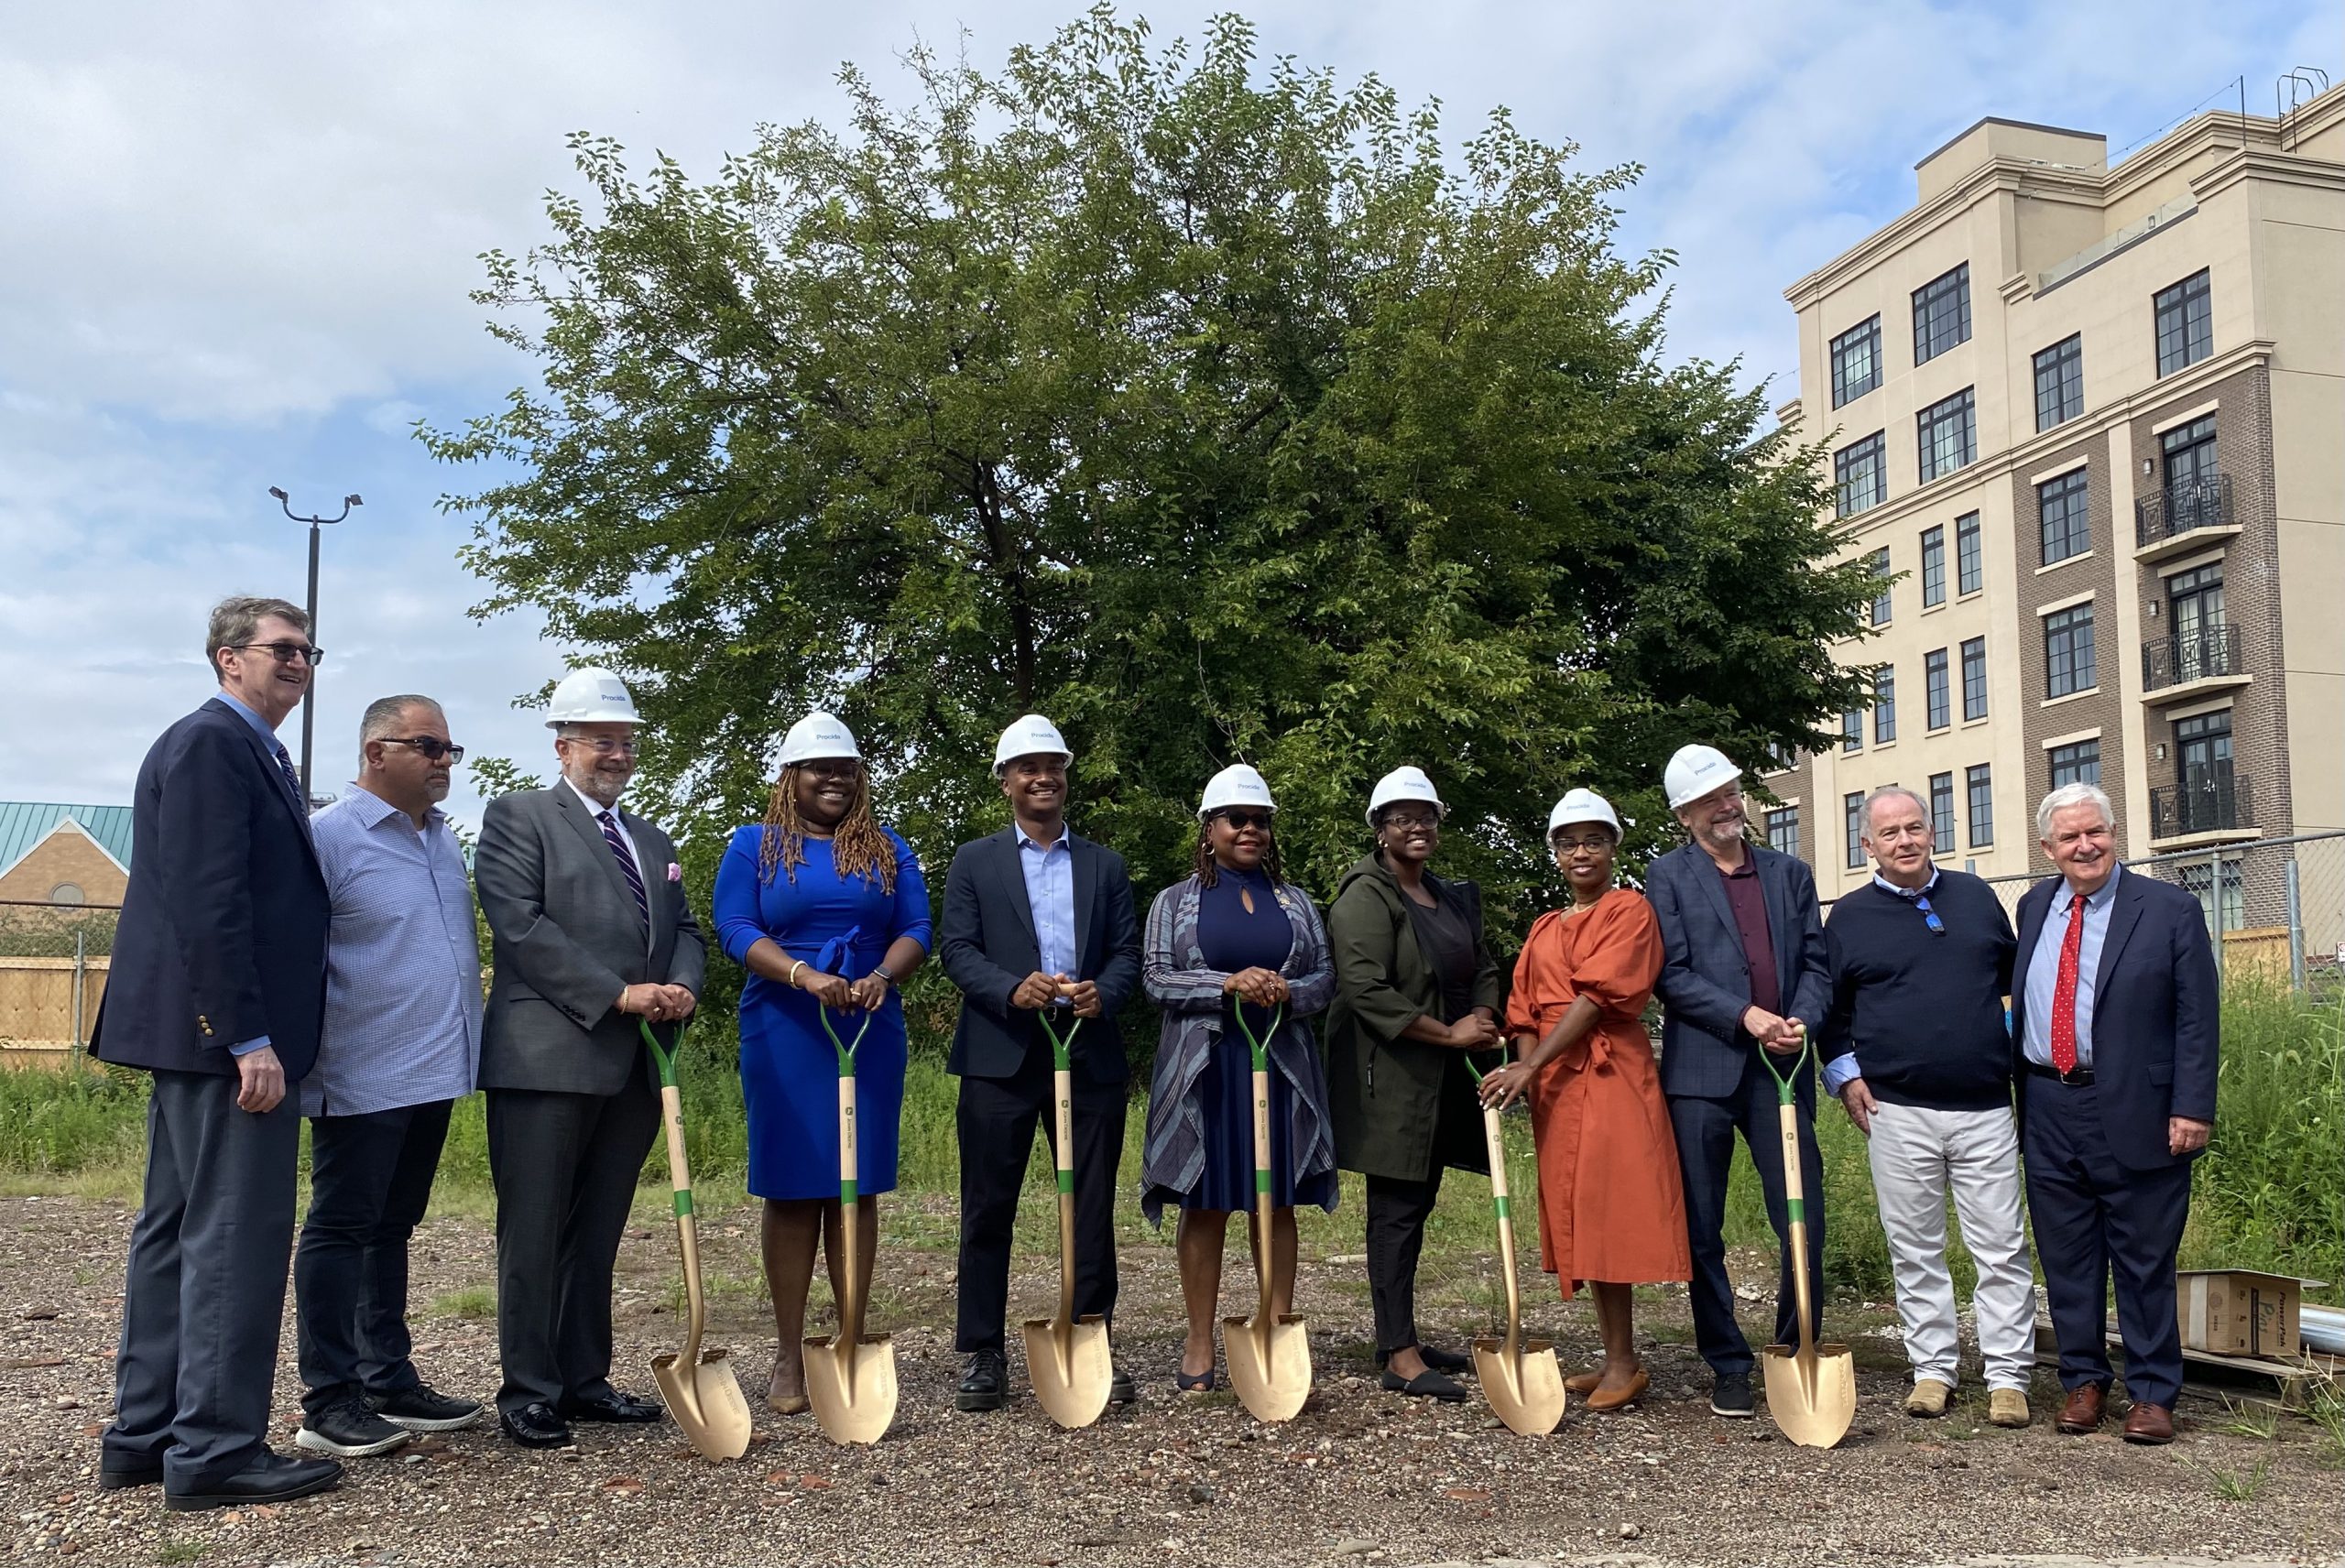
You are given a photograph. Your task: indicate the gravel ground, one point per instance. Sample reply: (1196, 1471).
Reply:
(1361, 1475)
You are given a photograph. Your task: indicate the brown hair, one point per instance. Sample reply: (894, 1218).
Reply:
(1209, 869)
(234, 619)
(859, 845)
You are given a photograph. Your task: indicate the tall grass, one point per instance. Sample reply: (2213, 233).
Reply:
(2270, 1191)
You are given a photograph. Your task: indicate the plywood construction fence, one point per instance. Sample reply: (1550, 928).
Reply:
(36, 1007)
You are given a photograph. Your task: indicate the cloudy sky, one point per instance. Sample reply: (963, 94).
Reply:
(235, 245)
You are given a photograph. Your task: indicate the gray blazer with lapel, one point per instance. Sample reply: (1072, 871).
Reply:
(568, 942)
(1705, 982)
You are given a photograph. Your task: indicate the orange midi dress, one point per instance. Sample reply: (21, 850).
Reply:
(1611, 1207)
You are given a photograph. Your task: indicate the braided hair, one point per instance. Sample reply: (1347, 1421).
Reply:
(859, 846)
(1209, 869)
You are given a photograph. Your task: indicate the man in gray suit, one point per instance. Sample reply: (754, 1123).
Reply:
(592, 933)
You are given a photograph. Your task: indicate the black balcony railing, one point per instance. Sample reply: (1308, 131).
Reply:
(2179, 508)
(2213, 800)
(2190, 655)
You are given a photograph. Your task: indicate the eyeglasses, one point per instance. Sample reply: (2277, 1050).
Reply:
(1593, 845)
(431, 746)
(286, 652)
(1411, 820)
(604, 746)
(1241, 821)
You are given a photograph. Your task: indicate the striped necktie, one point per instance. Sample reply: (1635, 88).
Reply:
(292, 778)
(610, 821)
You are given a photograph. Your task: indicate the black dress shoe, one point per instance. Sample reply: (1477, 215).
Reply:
(535, 1426)
(116, 1473)
(985, 1382)
(1120, 1388)
(273, 1479)
(624, 1409)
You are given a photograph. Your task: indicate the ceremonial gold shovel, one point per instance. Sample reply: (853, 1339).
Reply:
(1067, 1358)
(850, 1376)
(700, 1388)
(1519, 1377)
(1269, 1358)
(1811, 1390)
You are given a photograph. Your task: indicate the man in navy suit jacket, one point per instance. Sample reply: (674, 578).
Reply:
(218, 989)
(1027, 910)
(1744, 965)
(2115, 1023)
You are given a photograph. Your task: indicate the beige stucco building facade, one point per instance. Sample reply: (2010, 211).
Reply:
(2092, 420)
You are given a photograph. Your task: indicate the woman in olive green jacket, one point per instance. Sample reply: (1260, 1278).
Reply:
(1416, 988)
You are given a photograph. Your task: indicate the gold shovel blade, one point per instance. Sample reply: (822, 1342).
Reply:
(854, 1395)
(1072, 1375)
(1524, 1390)
(705, 1402)
(1269, 1365)
(1812, 1400)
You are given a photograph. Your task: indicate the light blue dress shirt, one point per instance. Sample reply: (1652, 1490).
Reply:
(403, 1001)
(269, 742)
(1840, 1068)
(1049, 869)
(2044, 970)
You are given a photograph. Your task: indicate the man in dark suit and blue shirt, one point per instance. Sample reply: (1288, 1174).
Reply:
(1026, 911)
(1743, 966)
(217, 988)
(2115, 1016)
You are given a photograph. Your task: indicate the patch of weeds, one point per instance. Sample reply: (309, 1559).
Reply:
(180, 1548)
(2325, 1406)
(474, 1302)
(2241, 1419)
(2232, 1487)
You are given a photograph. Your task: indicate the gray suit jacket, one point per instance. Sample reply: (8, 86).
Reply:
(568, 941)
(1705, 981)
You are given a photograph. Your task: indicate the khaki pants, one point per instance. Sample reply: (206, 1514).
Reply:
(1918, 1156)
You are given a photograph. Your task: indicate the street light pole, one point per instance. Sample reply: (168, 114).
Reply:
(309, 695)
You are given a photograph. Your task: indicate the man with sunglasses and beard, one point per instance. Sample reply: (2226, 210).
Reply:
(401, 1046)
(1916, 1047)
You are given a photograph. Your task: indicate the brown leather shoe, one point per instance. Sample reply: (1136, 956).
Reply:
(2149, 1423)
(2082, 1413)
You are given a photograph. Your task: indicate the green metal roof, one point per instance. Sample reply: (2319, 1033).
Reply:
(24, 824)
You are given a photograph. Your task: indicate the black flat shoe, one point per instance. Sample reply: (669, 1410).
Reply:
(1120, 1390)
(1203, 1383)
(625, 1410)
(1426, 1385)
(535, 1426)
(273, 1479)
(984, 1383)
(1438, 1359)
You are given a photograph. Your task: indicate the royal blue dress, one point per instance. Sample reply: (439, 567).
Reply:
(789, 1076)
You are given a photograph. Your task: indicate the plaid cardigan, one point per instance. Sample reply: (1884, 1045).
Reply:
(1172, 969)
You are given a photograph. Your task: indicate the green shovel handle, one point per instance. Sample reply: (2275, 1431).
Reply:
(1061, 1045)
(663, 1059)
(845, 1050)
(1260, 1051)
(1784, 1079)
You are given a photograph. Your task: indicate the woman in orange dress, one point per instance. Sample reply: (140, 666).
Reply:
(1611, 1210)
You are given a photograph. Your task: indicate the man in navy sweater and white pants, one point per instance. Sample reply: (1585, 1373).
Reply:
(1916, 1047)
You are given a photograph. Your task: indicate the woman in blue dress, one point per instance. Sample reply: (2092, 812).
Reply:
(825, 909)
(1234, 935)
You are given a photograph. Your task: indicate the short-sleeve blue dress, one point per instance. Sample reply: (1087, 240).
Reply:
(789, 1072)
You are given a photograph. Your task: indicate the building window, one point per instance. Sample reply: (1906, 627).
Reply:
(1978, 782)
(1781, 759)
(1882, 606)
(2067, 651)
(1854, 806)
(1948, 434)
(2186, 324)
(1852, 729)
(2195, 877)
(1782, 831)
(1969, 573)
(1860, 476)
(2076, 764)
(2060, 382)
(1974, 678)
(1942, 314)
(1937, 691)
(1884, 703)
(1856, 362)
(1933, 567)
(2061, 505)
(1942, 813)
(68, 893)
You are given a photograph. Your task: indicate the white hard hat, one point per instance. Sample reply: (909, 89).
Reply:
(1236, 785)
(1402, 784)
(1031, 735)
(817, 735)
(591, 696)
(1583, 806)
(1694, 772)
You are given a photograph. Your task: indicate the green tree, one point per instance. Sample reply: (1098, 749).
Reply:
(1202, 403)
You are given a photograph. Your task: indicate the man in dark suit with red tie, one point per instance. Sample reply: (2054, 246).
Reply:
(2114, 1022)
(218, 990)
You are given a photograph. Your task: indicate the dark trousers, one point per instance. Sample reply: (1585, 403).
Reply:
(2093, 1219)
(995, 1119)
(370, 1180)
(205, 1288)
(564, 1166)
(1397, 1211)
(1706, 1129)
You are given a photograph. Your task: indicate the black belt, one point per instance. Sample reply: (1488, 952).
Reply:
(2076, 1078)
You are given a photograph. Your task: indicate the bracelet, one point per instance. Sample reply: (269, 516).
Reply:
(794, 968)
(884, 973)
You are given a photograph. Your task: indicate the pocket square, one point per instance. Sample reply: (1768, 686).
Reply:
(675, 872)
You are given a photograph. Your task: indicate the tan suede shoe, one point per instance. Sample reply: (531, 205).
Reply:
(2007, 1407)
(1928, 1398)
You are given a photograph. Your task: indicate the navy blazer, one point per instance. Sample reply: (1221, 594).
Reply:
(987, 944)
(223, 934)
(2155, 1013)
(1705, 983)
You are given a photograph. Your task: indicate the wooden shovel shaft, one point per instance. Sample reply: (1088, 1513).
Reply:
(680, 1176)
(1063, 1088)
(850, 1333)
(1264, 1252)
(1796, 1208)
(1494, 1141)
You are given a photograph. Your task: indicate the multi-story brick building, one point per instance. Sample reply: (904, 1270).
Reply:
(2091, 422)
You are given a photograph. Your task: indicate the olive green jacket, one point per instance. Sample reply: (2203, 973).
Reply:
(1384, 1092)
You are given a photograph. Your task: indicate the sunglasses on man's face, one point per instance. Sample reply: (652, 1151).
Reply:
(1241, 821)
(286, 652)
(430, 747)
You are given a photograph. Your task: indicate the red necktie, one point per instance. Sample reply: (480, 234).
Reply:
(2064, 994)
